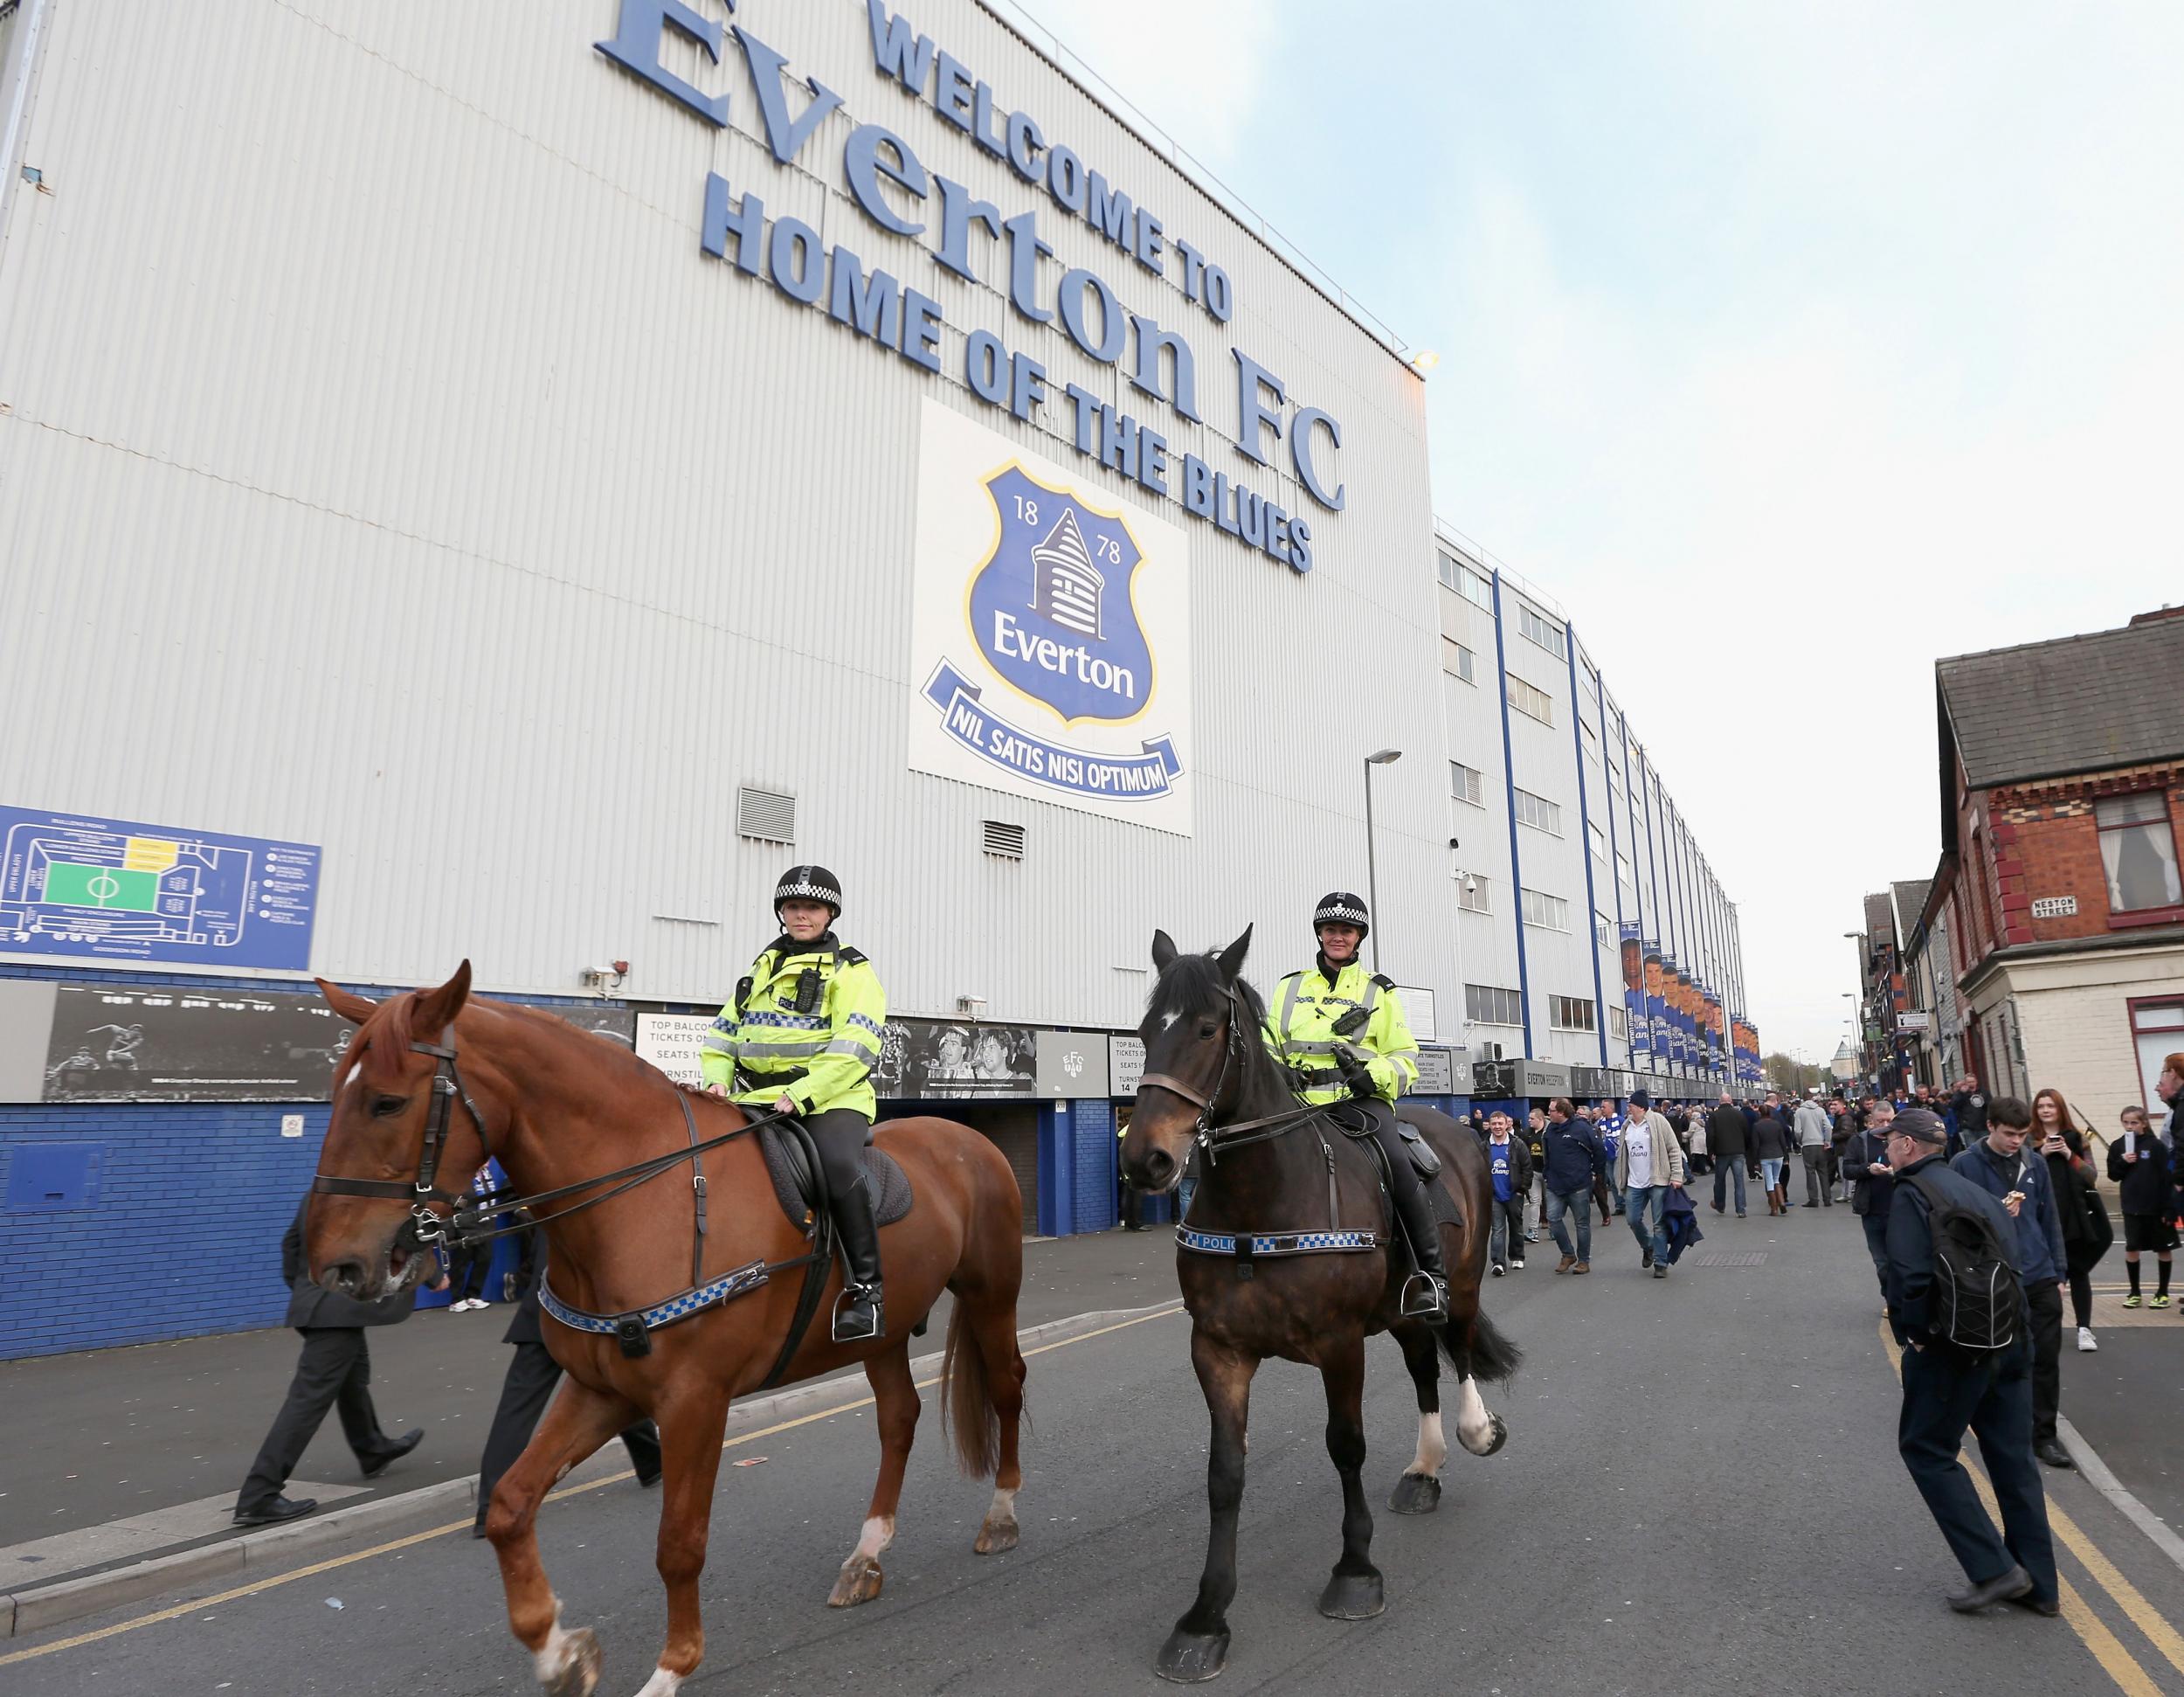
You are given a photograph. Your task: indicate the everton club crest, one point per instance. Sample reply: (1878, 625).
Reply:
(1050, 612)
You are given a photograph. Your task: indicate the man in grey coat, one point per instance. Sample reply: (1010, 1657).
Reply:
(1813, 1130)
(333, 1371)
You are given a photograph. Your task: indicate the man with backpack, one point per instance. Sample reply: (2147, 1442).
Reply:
(1958, 1311)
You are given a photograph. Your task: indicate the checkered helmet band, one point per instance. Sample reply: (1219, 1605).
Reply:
(1340, 907)
(809, 883)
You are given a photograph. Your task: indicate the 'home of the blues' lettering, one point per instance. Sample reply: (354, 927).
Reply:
(896, 190)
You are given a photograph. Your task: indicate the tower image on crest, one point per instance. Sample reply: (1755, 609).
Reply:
(1066, 585)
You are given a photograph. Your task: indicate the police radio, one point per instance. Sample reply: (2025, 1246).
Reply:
(1351, 1024)
(807, 990)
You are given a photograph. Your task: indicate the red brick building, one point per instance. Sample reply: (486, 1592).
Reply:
(2062, 770)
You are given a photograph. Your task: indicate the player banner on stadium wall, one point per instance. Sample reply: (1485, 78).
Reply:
(1050, 633)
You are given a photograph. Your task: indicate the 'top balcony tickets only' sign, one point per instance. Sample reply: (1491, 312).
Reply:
(972, 238)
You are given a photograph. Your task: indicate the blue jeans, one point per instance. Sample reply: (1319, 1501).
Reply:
(1724, 1166)
(1770, 1175)
(1635, 1201)
(1579, 1202)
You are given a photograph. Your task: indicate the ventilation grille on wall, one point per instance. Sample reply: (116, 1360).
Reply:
(766, 814)
(1006, 841)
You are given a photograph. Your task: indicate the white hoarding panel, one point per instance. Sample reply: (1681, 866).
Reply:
(1418, 1008)
(1050, 636)
(671, 1042)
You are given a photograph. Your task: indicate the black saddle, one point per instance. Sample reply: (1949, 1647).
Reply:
(1424, 1162)
(789, 1164)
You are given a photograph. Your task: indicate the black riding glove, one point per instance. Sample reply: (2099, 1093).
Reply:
(1355, 1075)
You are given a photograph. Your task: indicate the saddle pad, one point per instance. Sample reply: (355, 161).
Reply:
(785, 1165)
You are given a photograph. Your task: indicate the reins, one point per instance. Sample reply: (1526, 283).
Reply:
(1235, 1134)
(469, 1209)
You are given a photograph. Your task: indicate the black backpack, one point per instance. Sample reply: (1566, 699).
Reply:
(1976, 1296)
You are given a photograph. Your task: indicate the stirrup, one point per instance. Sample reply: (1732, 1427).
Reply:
(852, 1326)
(1425, 1296)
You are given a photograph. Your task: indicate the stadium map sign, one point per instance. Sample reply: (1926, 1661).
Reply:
(106, 888)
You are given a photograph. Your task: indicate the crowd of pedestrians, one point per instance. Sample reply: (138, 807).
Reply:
(1979, 1213)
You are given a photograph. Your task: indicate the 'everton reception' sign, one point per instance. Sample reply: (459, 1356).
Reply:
(1051, 632)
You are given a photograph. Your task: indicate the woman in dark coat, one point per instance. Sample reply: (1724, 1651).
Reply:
(2086, 1231)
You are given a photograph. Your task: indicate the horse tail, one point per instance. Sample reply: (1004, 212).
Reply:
(1484, 1353)
(967, 1415)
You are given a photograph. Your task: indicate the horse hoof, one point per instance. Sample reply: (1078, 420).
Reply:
(1500, 1437)
(994, 1537)
(1189, 1658)
(1416, 1493)
(578, 1675)
(860, 1582)
(1352, 1596)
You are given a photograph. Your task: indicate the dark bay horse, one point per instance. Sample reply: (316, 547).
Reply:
(559, 1106)
(1290, 1175)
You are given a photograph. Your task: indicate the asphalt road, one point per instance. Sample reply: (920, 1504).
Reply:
(1700, 1493)
(102, 1434)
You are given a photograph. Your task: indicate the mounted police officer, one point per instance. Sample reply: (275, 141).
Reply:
(1341, 1032)
(801, 1037)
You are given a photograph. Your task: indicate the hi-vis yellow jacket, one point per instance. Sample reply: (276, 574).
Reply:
(805, 1025)
(1300, 1029)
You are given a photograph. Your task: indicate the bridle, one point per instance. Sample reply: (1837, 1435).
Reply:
(469, 1209)
(1216, 1139)
(425, 1225)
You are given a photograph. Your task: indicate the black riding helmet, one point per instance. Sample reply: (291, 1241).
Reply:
(1341, 907)
(809, 883)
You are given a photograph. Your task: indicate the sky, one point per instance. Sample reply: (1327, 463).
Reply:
(1791, 347)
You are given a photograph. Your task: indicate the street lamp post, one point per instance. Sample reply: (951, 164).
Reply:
(1387, 757)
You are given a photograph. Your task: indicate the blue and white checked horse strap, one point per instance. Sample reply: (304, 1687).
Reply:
(1251, 1244)
(699, 1297)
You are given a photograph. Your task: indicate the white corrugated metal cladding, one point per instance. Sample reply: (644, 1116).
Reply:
(383, 465)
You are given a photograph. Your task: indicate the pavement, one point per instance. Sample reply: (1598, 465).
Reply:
(1705, 1464)
(138, 1452)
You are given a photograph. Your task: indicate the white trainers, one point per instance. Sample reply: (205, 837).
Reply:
(1516, 1264)
(2086, 1341)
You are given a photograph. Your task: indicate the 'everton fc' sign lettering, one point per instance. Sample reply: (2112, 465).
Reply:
(1051, 632)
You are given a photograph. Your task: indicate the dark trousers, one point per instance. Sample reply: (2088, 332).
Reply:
(468, 1264)
(532, 1376)
(1876, 1244)
(333, 1371)
(1815, 1159)
(1508, 1229)
(2045, 1300)
(1944, 1392)
(2081, 1293)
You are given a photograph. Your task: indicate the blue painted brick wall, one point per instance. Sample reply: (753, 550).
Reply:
(183, 1233)
(1094, 1148)
(183, 1236)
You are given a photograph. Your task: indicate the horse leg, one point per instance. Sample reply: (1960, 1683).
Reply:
(579, 1420)
(1354, 1590)
(895, 1402)
(1197, 1649)
(993, 1330)
(1477, 1429)
(690, 1427)
(1418, 1490)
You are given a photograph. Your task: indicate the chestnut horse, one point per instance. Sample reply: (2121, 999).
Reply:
(560, 1107)
(1293, 1260)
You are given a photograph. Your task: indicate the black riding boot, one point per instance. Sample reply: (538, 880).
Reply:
(1426, 1293)
(858, 1315)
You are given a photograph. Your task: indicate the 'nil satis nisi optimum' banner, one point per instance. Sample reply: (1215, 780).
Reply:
(1050, 638)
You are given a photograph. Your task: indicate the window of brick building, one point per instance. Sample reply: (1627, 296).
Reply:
(2137, 851)
(2157, 1032)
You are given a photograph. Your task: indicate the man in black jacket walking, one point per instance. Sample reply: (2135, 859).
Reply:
(1873, 1183)
(1947, 1389)
(335, 1370)
(1509, 1168)
(1725, 1146)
